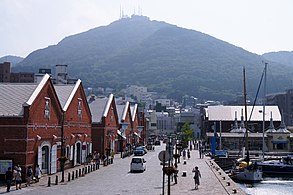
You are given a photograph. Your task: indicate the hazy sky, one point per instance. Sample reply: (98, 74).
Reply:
(258, 26)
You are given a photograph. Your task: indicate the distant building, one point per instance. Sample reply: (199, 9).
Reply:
(192, 117)
(61, 75)
(226, 115)
(9, 77)
(165, 123)
(284, 101)
(22, 77)
(5, 72)
(163, 102)
(151, 119)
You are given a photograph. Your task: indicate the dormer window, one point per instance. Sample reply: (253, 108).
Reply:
(79, 108)
(47, 108)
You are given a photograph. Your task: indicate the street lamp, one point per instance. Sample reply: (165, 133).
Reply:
(169, 162)
(62, 162)
(108, 150)
(122, 129)
(140, 128)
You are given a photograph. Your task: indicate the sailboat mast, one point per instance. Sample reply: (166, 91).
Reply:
(245, 109)
(263, 111)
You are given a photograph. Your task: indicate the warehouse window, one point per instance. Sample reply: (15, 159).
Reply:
(47, 108)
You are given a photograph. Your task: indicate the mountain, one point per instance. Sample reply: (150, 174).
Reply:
(164, 57)
(282, 57)
(12, 59)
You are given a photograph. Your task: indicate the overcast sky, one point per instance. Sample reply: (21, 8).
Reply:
(258, 26)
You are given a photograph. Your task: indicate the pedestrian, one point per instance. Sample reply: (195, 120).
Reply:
(29, 175)
(176, 173)
(18, 179)
(188, 154)
(95, 157)
(196, 177)
(184, 154)
(18, 167)
(8, 177)
(112, 154)
(38, 173)
(200, 151)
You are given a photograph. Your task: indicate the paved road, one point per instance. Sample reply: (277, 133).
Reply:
(113, 179)
(116, 179)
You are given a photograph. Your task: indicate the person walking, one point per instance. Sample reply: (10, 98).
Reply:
(196, 177)
(8, 177)
(188, 154)
(38, 173)
(29, 175)
(184, 154)
(200, 151)
(18, 179)
(175, 175)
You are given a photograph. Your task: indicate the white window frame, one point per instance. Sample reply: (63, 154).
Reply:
(79, 108)
(47, 108)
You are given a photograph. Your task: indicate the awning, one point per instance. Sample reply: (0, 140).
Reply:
(120, 134)
(280, 141)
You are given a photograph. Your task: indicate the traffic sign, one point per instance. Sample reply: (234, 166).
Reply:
(164, 156)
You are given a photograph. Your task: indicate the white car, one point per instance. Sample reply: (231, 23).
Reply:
(137, 164)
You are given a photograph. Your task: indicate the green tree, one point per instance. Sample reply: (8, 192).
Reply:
(186, 133)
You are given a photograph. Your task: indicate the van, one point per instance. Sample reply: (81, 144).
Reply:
(137, 164)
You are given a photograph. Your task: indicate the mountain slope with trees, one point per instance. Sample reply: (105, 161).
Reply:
(161, 56)
(282, 57)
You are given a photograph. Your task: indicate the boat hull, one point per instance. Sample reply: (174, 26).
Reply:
(276, 168)
(247, 176)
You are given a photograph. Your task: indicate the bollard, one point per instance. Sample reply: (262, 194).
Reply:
(98, 166)
(223, 178)
(91, 168)
(85, 170)
(234, 191)
(49, 181)
(228, 183)
(72, 175)
(184, 173)
(79, 173)
(220, 173)
(68, 176)
(184, 162)
(56, 180)
(94, 167)
(76, 173)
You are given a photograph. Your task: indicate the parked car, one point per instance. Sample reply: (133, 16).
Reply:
(137, 164)
(138, 152)
(142, 148)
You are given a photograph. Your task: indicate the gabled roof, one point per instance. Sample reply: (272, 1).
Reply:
(14, 96)
(100, 107)
(108, 105)
(122, 111)
(66, 93)
(227, 113)
(133, 110)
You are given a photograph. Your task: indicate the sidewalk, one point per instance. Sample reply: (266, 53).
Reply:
(79, 170)
(213, 180)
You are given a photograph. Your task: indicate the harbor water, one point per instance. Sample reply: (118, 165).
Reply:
(270, 186)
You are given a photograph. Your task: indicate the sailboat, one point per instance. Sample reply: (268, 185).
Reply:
(284, 165)
(245, 170)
